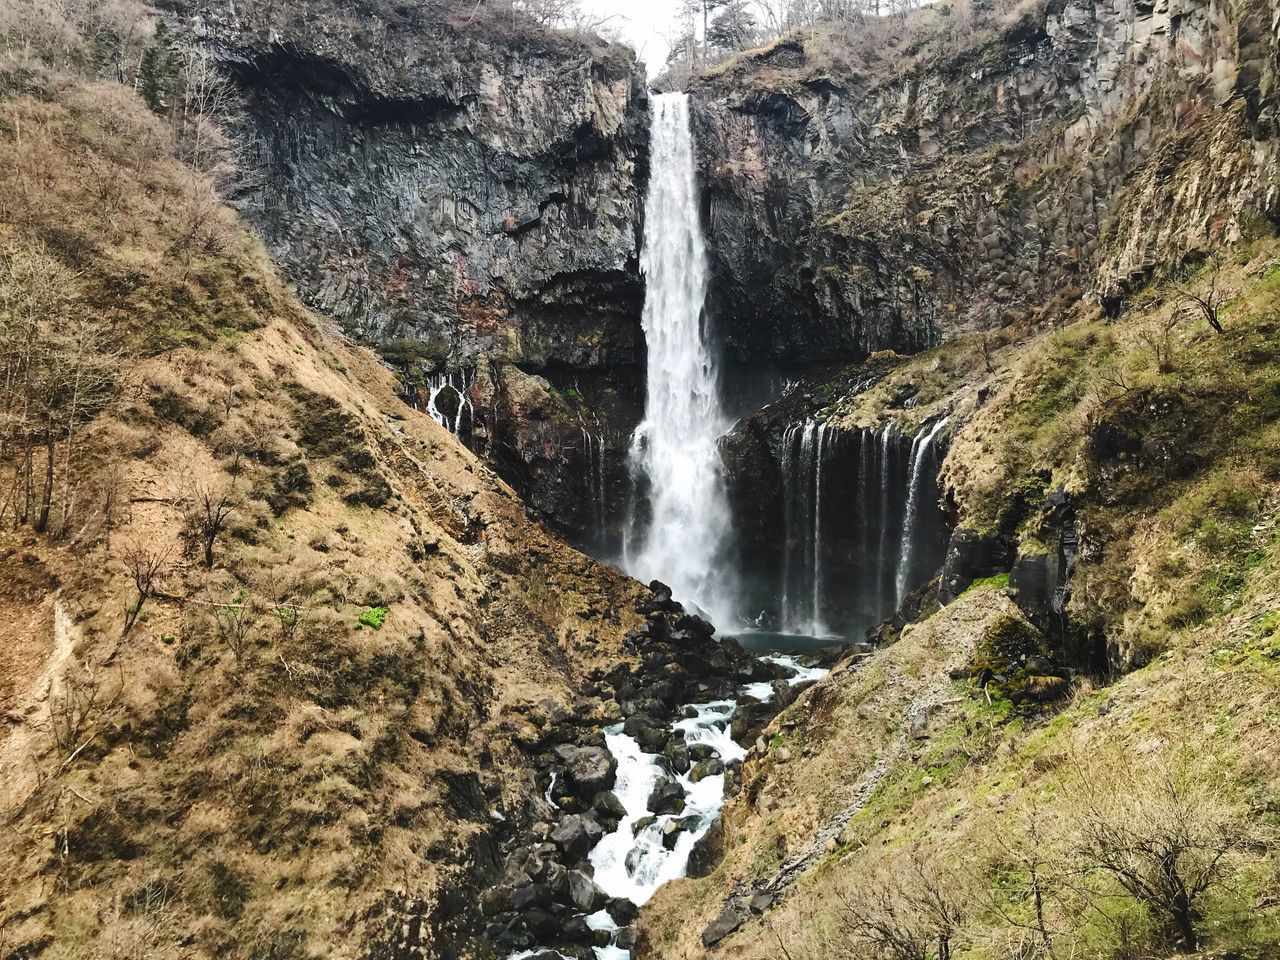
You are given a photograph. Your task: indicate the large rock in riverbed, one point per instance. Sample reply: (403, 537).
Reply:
(575, 835)
(588, 770)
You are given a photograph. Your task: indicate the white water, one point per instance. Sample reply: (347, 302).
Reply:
(453, 385)
(675, 449)
(802, 481)
(920, 450)
(763, 689)
(635, 866)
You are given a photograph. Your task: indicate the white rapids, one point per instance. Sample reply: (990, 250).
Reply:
(635, 866)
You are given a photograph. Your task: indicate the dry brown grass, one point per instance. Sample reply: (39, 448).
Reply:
(250, 787)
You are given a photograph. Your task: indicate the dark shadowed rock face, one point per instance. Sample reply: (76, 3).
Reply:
(890, 205)
(464, 197)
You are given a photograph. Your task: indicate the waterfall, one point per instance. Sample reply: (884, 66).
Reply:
(803, 575)
(920, 450)
(885, 480)
(860, 525)
(674, 454)
(593, 480)
(449, 386)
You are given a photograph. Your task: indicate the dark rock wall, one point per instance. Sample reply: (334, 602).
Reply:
(852, 211)
(463, 197)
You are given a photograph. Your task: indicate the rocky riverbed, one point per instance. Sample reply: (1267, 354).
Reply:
(632, 779)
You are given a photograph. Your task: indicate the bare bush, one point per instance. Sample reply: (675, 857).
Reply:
(1206, 302)
(1158, 335)
(1164, 831)
(146, 568)
(235, 621)
(910, 912)
(206, 511)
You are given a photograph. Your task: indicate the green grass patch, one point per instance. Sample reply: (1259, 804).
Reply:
(374, 618)
(999, 582)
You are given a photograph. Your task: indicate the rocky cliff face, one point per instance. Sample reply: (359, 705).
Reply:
(895, 201)
(464, 196)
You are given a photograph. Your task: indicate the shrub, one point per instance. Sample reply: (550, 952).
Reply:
(373, 617)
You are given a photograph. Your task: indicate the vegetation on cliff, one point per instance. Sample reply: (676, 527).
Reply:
(274, 646)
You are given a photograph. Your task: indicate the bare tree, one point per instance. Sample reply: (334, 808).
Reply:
(1208, 302)
(1164, 832)
(146, 567)
(235, 621)
(58, 367)
(905, 914)
(207, 510)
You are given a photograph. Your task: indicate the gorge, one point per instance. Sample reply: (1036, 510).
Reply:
(466, 493)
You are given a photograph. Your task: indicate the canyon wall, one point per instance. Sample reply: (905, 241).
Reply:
(466, 197)
(873, 192)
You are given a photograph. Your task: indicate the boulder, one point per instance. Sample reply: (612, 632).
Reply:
(706, 768)
(585, 892)
(588, 770)
(622, 911)
(667, 797)
(607, 804)
(529, 897)
(702, 751)
(677, 755)
(575, 835)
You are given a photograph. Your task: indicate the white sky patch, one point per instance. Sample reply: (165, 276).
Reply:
(647, 25)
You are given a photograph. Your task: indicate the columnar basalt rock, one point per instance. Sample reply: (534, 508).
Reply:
(888, 205)
(466, 197)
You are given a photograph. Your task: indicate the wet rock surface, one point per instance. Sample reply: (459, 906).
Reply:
(547, 887)
(467, 198)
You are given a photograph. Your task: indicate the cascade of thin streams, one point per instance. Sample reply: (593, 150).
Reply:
(860, 524)
(921, 449)
(675, 456)
(803, 459)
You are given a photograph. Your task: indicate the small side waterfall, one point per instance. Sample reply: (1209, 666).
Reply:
(594, 485)
(921, 455)
(675, 456)
(803, 462)
(861, 524)
(448, 400)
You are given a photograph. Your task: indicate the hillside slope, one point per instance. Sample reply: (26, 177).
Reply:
(1090, 712)
(271, 677)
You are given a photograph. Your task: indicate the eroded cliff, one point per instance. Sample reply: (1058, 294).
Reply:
(465, 195)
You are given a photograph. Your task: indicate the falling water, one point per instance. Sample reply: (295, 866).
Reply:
(861, 524)
(920, 455)
(456, 388)
(675, 453)
(803, 462)
(593, 479)
(882, 563)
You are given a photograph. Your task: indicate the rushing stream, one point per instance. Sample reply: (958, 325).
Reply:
(646, 851)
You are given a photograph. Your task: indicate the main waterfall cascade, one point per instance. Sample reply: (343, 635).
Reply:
(675, 456)
(859, 507)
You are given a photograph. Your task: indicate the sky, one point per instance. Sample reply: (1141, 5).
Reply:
(644, 24)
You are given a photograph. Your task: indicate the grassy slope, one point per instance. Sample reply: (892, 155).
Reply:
(1179, 568)
(266, 802)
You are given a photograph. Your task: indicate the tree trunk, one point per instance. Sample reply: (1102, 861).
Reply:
(46, 498)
